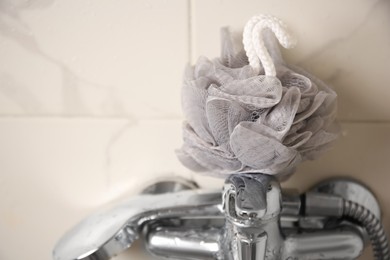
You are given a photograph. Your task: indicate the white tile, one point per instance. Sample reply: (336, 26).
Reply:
(51, 176)
(144, 152)
(345, 44)
(54, 172)
(93, 57)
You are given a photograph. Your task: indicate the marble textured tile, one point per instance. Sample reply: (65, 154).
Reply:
(346, 44)
(92, 58)
(54, 172)
(57, 171)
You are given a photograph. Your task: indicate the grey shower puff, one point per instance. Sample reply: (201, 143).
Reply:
(237, 121)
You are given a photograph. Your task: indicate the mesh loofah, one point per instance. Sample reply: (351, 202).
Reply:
(240, 118)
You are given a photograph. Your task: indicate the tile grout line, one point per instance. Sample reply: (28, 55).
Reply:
(354, 121)
(87, 117)
(190, 24)
(167, 118)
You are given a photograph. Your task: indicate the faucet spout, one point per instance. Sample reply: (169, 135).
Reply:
(105, 234)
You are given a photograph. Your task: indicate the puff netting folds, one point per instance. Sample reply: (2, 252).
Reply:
(253, 117)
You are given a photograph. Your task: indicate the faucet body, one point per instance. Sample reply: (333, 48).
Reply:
(251, 220)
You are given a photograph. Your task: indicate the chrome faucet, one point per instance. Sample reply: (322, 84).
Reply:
(251, 220)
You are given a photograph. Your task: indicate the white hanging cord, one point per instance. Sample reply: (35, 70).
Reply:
(254, 43)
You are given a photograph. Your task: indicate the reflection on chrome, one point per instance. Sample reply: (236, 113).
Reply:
(251, 219)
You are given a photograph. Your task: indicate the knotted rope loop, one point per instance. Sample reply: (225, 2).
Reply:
(254, 43)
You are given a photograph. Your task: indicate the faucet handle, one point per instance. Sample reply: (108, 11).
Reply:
(245, 196)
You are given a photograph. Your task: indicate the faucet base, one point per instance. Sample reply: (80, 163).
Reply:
(170, 185)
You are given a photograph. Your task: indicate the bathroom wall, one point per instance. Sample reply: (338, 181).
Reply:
(90, 100)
